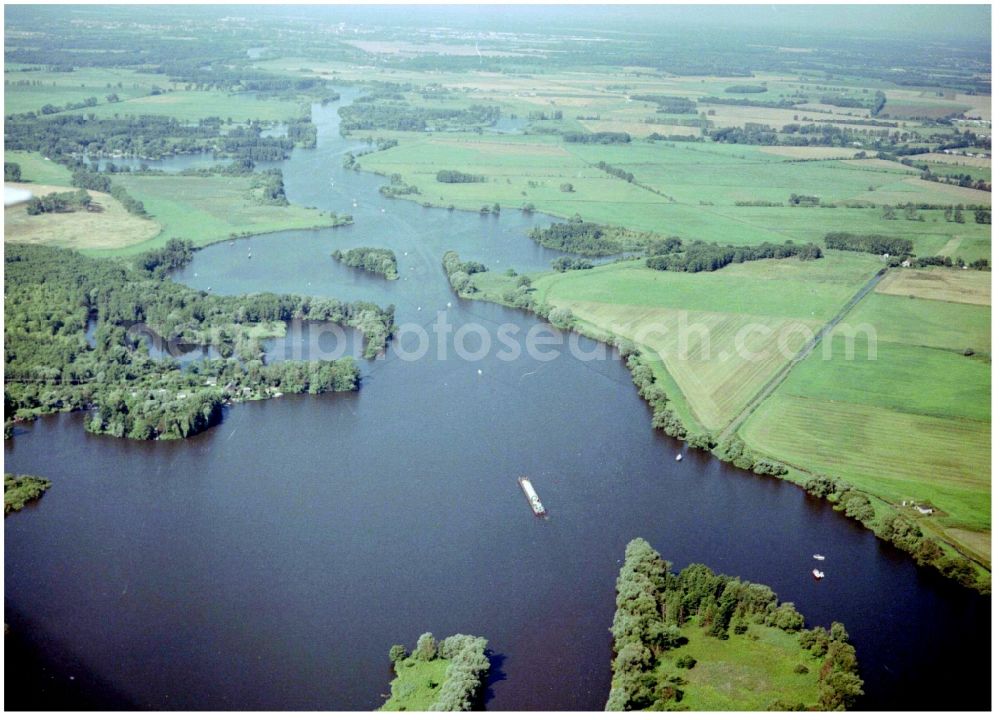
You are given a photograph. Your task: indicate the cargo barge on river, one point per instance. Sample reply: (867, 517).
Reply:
(532, 496)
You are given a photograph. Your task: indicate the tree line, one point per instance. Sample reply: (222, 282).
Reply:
(59, 202)
(617, 172)
(872, 243)
(597, 138)
(700, 256)
(669, 104)
(454, 176)
(98, 182)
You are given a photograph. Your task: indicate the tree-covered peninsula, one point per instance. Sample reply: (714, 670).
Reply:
(445, 676)
(53, 294)
(19, 490)
(700, 641)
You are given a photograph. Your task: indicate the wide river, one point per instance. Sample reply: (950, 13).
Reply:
(271, 562)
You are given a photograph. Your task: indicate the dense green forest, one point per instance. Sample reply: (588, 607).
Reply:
(380, 261)
(150, 137)
(52, 293)
(659, 612)
(439, 677)
(19, 490)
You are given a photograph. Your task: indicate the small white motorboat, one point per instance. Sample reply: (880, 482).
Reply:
(819, 557)
(679, 457)
(818, 574)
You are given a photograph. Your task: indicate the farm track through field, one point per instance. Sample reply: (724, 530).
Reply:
(801, 355)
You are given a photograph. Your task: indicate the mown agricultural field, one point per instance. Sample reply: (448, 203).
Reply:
(720, 336)
(108, 227)
(911, 423)
(937, 284)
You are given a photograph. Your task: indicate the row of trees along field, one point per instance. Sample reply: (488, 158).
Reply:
(59, 202)
(657, 608)
(467, 667)
(705, 257)
(50, 366)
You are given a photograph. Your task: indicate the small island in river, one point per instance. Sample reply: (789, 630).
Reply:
(380, 261)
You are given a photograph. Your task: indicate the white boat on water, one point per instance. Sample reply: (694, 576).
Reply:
(679, 457)
(532, 496)
(819, 557)
(818, 574)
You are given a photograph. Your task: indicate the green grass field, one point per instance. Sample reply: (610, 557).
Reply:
(210, 209)
(36, 169)
(694, 188)
(925, 323)
(778, 288)
(192, 105)
(911, 424)
(712, 339)
(134, 91)
(744, 673)
(416, 684)
(201, 209)
(30, 90)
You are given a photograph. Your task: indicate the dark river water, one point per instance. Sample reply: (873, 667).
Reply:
(272, 561)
